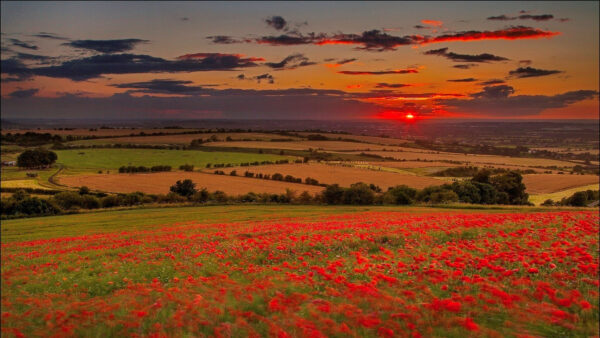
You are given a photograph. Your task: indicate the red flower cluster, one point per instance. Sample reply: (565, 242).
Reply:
(377, 274)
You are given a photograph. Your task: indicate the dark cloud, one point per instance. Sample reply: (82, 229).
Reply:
(494, 92)
(542, 17)
(289, 39)
(469, 79)
(501, 18)
(291, 62)
(224, 39)
(391, 85)
(267, 77)
(46, 35)
(276, 22)
(381, 72)
(344, 61)
(491, 82)
(22, 44)
(295, 103)
(185, 18)
(33, 57)
(485, 57)
(16, 69)
(161, 86)
(420, 27)
(373, 40)
(523, 72)
(499, 101)
(24, 93)
(98, 65)
(465, 66)
(241, 77)
(106, 46)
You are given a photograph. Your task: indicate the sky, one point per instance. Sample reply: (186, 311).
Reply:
(300, 60)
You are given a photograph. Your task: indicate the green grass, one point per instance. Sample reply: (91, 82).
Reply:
(114, 158)
(26, 229)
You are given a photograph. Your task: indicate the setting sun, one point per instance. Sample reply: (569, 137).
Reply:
(409, 116)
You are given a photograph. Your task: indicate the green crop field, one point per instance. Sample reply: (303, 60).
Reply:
(114, 158)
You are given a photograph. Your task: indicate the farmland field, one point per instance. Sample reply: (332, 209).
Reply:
(345, 175)
(302, 271)
(549, 183)
(537, 199)
(473, 159)
(114, 158)
(304, 145)
(159, 183)
(183, 139)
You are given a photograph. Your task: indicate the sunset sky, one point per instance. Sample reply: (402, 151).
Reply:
(300, 60)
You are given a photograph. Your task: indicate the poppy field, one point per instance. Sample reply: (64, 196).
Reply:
(371, 273)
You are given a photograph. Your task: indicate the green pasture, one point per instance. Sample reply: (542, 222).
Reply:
(115, 158)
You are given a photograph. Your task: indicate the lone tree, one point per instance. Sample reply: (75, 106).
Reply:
(184, 188)
(36, 158)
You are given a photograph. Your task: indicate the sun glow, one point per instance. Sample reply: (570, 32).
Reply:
(409, 116)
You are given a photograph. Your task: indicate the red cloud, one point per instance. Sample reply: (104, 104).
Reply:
(513, 33)
(435, 23)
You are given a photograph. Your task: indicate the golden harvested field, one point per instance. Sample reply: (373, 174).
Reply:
(538, 199)
(159, 183)
(550, 183)
(317, 145)
(414, 164)
(22, 184)
(99, 132)
(184, 139)
(443, 165)
(343, 175)
(478, 160)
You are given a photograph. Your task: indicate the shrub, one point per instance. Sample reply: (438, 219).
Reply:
(68, 200)
(186, 167)
(358, 194)
(332, 194)
(36, 158)
(90, 202)
(400, 195)
(184, 188)
(444, 196)
(200, 196)
(218, 196)
(548, 203)
(109, 201)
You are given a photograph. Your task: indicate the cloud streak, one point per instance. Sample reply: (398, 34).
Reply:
(106, 46)
(525, 72)
(99, 65)
(484, 57)
(381, 72)
(291, 62)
